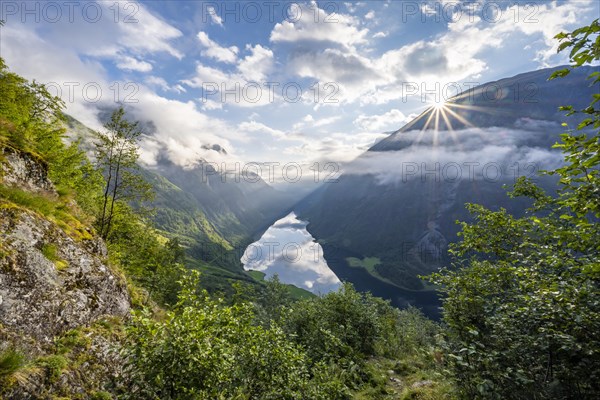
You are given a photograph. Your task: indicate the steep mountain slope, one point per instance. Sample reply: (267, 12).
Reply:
(392, 213)
(213, 215)
(54, 282)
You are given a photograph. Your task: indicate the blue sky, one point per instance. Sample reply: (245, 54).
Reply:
(164, 60)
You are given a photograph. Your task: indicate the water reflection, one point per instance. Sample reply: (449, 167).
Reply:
(288, 250)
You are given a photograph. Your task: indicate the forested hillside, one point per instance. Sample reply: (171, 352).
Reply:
(213, 217)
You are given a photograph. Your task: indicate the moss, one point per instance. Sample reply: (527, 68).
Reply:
(49, 251)
(47, 206)
(100, 396)
(107, 326)
(54, 365)
(74, 338)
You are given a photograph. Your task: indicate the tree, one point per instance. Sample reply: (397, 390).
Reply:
(30, 117)
(523, 312)
(203, 349)
(116, 154)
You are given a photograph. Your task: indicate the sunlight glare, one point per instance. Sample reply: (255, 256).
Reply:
(438, 105)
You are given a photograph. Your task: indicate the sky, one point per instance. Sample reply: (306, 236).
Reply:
(287, 83)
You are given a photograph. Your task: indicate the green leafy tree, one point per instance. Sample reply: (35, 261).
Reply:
(204, 349)
(31, 121)
(342, 325)
(116, 154)
(29, 115)
(523, 307)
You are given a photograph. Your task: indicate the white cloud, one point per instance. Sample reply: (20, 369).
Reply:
(149, 34)
(257, 65)
(310, 122)
(183, 133)
(392, 119)
(380, 35)
(370, 15)
(473, 153)
(157, 81)
(336, 147)
(245, 87)
(258, 127)
(335, 53)
(314, 24)
(214, 17)
(181, 129)
(124, 28)
(213, 50)
(132, 64)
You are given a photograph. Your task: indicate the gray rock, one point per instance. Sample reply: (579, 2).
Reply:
(43, 298)
(421, 384)
(23, 170)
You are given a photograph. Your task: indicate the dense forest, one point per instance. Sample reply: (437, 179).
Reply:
(520, 302)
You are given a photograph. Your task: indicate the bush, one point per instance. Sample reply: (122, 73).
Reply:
(343, 324)
(523, 312)
(206, 350)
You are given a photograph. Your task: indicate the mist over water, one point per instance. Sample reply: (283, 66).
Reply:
(289, 250)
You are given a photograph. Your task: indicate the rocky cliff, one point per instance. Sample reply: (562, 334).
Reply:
(55, 283)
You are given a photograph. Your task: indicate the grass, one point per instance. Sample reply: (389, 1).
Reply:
(258, 275)
(48, 206)
(10, 362)
(14, 368)
(299, 293)
(54, 365)
(296, 292)
(49, 251)
(368, 264)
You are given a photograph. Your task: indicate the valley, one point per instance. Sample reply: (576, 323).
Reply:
(335, 201)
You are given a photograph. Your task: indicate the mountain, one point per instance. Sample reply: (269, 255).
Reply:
(391, 215)
(203, 206)
(213, 215)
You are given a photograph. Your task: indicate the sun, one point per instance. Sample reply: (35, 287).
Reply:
(438, 105)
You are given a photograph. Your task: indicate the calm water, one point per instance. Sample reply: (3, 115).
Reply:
(288, 250)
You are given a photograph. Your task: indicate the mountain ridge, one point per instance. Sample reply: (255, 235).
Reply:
(389, 205)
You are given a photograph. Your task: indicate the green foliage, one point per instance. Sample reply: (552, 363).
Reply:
(344, 325)
(204, 349)
(414, 333)
(29, 115)
(523, 310)
(148, 259)
(31, 121)
(54, 365)
(116, 157)
(101, 396)
(11, 361)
